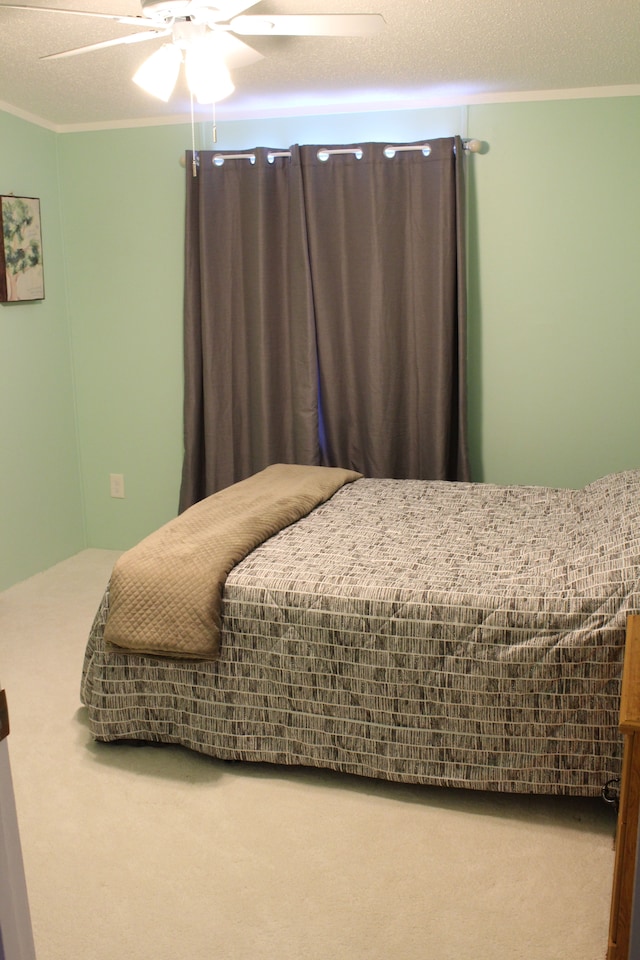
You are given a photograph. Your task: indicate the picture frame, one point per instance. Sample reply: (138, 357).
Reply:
(21, 264)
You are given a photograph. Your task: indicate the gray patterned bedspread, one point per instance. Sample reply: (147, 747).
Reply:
(439, 633)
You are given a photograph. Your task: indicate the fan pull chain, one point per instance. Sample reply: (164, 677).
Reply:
(194, 158)
(214, 131)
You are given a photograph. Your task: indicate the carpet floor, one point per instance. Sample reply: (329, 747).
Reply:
(157, 853)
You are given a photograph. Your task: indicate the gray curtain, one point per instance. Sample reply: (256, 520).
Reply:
(387, 253)
(325, 314)
(250, 363)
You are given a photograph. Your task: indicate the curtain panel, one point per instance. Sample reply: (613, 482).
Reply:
(325, 313)
(250, 367)
(387, 259)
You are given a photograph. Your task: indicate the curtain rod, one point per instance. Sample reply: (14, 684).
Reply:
(471, 146)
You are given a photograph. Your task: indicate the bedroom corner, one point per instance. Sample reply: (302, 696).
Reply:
(41, 519)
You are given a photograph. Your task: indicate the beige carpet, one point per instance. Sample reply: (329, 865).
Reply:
(156, 853)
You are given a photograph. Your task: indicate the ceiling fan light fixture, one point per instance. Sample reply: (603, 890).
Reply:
(205, 35)
(208, 77)
(159, 72)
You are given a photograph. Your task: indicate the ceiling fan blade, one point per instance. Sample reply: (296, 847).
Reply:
(236, 53)
(320, 25)
(219, 11)
(131, 38)
(128, 21)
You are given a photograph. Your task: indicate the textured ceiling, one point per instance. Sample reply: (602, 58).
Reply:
(429, 52)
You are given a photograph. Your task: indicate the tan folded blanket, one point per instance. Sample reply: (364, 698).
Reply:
(165, 593)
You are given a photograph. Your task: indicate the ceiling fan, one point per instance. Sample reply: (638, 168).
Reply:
(205, 35)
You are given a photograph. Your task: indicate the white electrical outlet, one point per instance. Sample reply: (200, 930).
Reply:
(116, 485)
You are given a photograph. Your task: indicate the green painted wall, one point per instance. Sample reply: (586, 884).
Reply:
(553, 316)
(40, 503)
(123, 211)
(555, 291)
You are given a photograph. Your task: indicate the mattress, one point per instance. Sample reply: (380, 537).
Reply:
(466, 635)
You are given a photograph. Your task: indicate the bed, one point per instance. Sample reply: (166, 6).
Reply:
(458, 634)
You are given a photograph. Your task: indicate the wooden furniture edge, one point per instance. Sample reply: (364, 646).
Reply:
(627, 828)
(630, 695)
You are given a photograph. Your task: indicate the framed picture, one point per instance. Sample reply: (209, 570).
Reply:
(21, 270)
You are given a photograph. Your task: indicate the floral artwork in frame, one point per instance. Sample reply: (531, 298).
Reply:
(21, 270)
